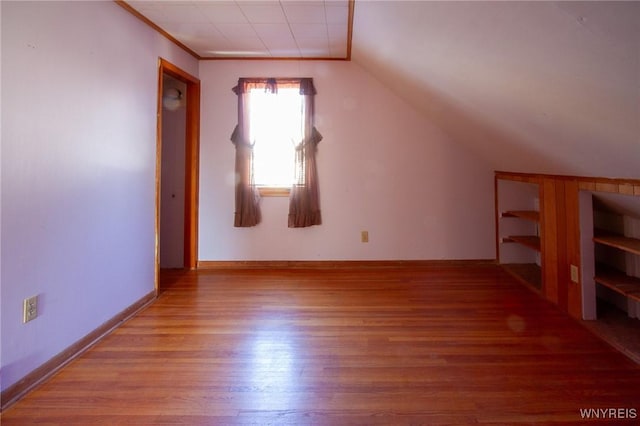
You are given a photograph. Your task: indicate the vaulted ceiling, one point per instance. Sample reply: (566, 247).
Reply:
(531, 86)
(547, 87)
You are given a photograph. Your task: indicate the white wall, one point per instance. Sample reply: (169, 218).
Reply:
(382, 168)
(78, 170)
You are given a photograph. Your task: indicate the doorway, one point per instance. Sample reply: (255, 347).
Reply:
(177, 160)
(172, 173)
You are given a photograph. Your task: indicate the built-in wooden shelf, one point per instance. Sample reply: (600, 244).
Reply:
(515, 197)
(527, 273)
(618, 281)
(531, 215)
(631, 245)
(530, 241)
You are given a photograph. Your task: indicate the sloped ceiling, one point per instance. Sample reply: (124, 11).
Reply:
(531, 86)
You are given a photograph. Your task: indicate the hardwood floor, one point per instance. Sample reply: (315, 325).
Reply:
(421, 345)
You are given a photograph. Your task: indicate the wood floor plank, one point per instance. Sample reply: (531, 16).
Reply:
(396, 345)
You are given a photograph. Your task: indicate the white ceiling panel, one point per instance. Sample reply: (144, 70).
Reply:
(273, 30)
(252, 44)
(243, 28)
(309, 31)
(311, 47)
(313, 43)
(278, 45)
(337, 14)
(311, 12)
(263, 13)
(222, 12)
(285, 53)
(184, 12)
(311, 52)
(337, 33)
(236, 30)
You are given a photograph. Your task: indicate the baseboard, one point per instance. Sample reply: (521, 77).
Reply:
(337, 264)
(38, 376)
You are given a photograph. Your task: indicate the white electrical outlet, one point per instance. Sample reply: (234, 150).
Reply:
(29, 309)
(364, 236)
(574, 274)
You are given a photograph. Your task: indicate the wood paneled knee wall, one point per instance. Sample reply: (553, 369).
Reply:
(560, 229)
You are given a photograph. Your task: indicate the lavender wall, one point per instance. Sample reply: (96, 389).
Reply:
(79, 94)
(383, 168)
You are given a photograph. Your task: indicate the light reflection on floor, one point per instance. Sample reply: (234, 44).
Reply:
(274, 368)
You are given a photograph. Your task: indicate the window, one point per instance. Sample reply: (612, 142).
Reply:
(276, 143)
(276, 127)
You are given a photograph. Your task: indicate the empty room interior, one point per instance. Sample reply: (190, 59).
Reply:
(453, 236)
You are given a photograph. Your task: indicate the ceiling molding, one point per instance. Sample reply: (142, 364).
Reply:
(144, 19)
(352, 6)
(268, 58)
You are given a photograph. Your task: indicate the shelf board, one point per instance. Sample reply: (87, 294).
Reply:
(530, 241)
(618, 281)
(631, 245)
(531, 215)
(527, 273)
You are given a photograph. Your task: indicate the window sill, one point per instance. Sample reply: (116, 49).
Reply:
(268, 191)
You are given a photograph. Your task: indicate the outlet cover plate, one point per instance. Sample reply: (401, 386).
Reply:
(574, 274)
(30, 309)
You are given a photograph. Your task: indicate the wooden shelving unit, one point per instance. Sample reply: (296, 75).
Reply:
(630, 245)
(618, 281)
(531, 241)
(531, 215)
(610, 277)
(551, 246)
(518, 225)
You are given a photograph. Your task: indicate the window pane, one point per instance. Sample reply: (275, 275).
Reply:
(275, 128)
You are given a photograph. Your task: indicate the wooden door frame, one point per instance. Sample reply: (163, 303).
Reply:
(192, 161)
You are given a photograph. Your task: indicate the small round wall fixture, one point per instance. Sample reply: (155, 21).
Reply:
(172, 99)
